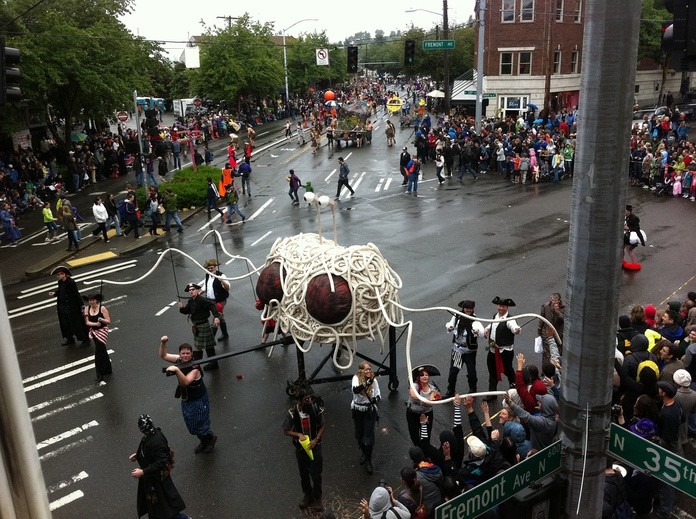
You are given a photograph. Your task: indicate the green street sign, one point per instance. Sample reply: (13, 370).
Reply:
(473, 93)
(502, 487)
(489, 96)
(645, 455)
(438, 44)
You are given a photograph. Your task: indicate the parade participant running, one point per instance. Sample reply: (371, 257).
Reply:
(465, 334)
(199, 308)
(363, 407)
(501, 339)
(195, 405)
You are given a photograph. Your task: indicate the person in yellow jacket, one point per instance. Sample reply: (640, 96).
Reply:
(50, 222)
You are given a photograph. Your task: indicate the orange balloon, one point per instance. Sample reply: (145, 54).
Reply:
(329, 95)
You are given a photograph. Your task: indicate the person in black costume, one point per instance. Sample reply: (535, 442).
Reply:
(157, 495)
(97, 320)
(69, 306)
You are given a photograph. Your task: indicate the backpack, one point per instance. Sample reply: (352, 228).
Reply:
(122, 209)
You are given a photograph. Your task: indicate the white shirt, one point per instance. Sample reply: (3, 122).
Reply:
(512, 326)
(460, 342)
(99, 212)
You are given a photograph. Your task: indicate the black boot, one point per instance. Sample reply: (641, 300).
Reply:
(363, 455)
(306, 501)
(211, 365)
(223, 329)
(368, 459)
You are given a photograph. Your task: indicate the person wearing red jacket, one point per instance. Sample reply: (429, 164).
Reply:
(537, 387)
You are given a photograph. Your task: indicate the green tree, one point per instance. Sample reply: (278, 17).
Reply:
(240, 63)
(78, 60)
(652, 15)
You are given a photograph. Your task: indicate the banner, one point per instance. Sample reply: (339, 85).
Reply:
(322, 56)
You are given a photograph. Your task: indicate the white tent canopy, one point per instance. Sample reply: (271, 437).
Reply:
(435, 93)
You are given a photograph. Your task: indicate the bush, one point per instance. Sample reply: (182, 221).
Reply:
(190, 187)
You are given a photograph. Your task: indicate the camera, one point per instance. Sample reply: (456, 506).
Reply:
(382, 483)
(616, 410)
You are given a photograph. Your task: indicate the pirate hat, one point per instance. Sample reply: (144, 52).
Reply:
(506, 302)
(60, 269)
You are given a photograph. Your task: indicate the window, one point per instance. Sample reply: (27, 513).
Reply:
(527, 11)
(557, 62)
(525, 63)
(506, 63)
(508, 11)
(574, 62)
(578, 13)
(559, 10)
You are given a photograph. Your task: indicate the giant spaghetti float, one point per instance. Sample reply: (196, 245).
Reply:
(325, 293)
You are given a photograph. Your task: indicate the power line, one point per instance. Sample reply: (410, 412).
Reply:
(37, 4)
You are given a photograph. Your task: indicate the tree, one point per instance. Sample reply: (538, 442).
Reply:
(239, 63)
(652, 15)
(78, 60)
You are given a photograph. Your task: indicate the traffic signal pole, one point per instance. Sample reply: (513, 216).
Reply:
(610, 47)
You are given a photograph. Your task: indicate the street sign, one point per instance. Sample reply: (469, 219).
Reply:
(502, 487)
(645, 455)
(489, 96)
(122, 116)
(438, 44)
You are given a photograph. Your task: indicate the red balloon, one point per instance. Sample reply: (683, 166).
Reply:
(329, 95)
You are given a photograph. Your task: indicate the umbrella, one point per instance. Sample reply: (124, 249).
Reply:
(432, 371)
(435, 93)
(77, 136)
(532, 106)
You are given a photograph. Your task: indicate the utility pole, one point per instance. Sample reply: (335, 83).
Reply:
(610, 48)
(479, 64)
(229, 20)
(445, 31)
(549, 59)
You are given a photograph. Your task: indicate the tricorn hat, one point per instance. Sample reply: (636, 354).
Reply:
(467, 304)
(507, 302)
(60, 269)
(192, 285)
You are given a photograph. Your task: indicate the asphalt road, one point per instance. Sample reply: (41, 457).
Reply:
(455, 241)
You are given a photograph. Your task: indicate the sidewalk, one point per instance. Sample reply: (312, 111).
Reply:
(92, 248)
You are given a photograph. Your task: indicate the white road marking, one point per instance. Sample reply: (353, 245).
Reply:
(60, 377)
(357, 182)
(262, 237)
(330, 174)
(59, 369)
(67, 482)
(386, 184)
(67, 434)
(173, 303)
(61, 398)
(66, 407)
(379, 184)
(87, 275)
(53, 505)
(261, 209)
(211, 221)
(66, 448)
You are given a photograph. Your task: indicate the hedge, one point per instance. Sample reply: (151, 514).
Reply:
(190, 187)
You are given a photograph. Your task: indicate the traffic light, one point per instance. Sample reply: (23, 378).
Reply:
(352, 59)
(679, 38)
(10, 75)
(410, 52)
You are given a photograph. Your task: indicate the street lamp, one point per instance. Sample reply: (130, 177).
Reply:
(285, 60)
(445, 32)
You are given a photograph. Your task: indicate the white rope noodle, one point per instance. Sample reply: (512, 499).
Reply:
(409, 328)
(303, 257)
(194, 260)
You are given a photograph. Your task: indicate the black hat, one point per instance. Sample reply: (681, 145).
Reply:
(668, 388)
(629, 207)
(96, 296)
(507, 302)
(192, 285)
(428, 368)
(60, 269)
(467, 304)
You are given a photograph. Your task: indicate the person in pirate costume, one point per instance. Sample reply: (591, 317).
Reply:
(195, 405)
(97, 320)
(305, 424)
(217, 290)
(157, 495)
(198, 307)
(501, 343)
(363, 407)
(465, 333)
(69, 306)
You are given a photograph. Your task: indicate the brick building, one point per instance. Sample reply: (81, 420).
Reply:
(527, 40)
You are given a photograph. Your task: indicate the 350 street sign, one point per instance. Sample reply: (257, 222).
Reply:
(503, 486)
(645, 455)
(438, 44)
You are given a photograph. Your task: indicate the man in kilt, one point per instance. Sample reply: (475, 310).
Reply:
(199, 308)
